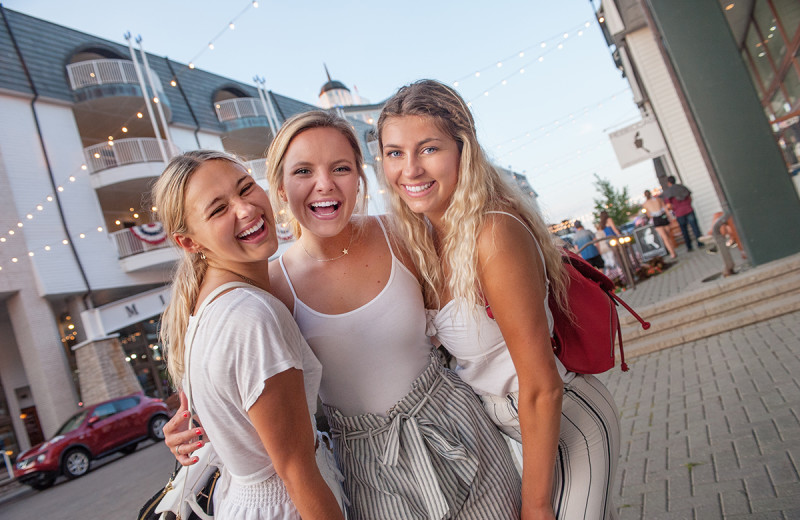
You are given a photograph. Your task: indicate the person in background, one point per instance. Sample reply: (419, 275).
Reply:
(607, 225)
(590, 253)
(679, 199)
(657, 211)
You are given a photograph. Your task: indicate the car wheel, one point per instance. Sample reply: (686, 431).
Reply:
(43, 484)
(156, 427)
(127, 450)
(76, 463)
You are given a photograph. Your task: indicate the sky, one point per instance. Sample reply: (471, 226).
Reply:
(550, 119)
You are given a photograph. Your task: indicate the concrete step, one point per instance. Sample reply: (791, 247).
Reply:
(712, 290)
(702, 310)
(719, 306)
(734, 318)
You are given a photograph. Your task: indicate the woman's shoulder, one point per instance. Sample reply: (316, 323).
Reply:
(502, 230)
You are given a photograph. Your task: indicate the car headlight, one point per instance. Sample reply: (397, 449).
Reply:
(41, 457)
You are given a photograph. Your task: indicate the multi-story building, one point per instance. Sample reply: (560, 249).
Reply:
(718, 84)
(87, 125)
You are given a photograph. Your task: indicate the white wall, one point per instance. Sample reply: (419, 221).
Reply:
(674, 123)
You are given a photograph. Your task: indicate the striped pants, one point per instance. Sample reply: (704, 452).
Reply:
(588, 447)
(434, 456)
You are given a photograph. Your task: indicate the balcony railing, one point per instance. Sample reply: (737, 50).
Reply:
(258, 169)
(105, 72)
(238, 108)
(126, 151)
(140, 239)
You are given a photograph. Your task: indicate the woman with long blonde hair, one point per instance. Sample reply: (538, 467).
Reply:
(233, 347)
(411, 439)
(488, 265)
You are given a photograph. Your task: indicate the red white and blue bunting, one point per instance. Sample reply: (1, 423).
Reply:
(152, 233)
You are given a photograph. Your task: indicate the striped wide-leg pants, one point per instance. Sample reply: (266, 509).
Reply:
(588, 447)
(436, 455)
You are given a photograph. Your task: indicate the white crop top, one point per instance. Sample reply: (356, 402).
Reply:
(475, 340)
(370, 355)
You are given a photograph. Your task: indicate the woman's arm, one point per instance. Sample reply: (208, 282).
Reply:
(512, 279)
(280, 416)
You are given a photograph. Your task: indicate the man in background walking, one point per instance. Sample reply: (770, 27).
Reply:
(589, 253)
(679, 198)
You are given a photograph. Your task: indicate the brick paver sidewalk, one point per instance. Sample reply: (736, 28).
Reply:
(711, 429)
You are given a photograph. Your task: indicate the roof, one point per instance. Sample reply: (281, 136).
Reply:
(47, 63)
(332, 85)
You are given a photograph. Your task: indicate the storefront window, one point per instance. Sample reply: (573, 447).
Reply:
(791, 85)
(768, 25)
(8, 441)
(788, 15)
(143, 353)
(759, 54)
(778, 104)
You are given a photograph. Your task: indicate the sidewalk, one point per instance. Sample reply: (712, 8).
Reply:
(710, 428)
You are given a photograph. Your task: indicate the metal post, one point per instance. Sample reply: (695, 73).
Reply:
(160, 110)
(262, 95)
(722, 246)
(146, 99)
(9, 466)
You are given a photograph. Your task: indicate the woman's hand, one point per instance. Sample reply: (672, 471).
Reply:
(179, 438)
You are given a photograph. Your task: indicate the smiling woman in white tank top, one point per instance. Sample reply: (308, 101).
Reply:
(489, 265)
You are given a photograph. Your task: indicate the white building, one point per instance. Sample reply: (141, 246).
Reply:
(83, 261)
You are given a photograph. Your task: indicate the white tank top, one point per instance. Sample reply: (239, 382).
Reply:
(476, 342)
(370, 355)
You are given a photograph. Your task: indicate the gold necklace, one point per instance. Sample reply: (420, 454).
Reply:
(345, 251)
(243, 277)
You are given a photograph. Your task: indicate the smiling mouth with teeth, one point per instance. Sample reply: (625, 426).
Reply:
(324, 207)
(418, 188)
(258, 226)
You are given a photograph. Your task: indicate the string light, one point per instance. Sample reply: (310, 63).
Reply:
(228, 27)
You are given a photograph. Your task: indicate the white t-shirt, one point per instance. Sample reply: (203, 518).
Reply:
(244, 337)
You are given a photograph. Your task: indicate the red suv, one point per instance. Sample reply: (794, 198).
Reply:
(94, 432)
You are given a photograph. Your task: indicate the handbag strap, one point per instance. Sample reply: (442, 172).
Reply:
(187, 354)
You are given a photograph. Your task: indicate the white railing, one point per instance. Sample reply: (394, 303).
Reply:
(128, 244)
(238, 108)
(105, 71)
(258, 169)
(126, 151)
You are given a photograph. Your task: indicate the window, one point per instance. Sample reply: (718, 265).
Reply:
(125, 404)
(788, 16)
(104, 410)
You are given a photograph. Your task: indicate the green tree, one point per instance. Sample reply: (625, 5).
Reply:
(613, 201)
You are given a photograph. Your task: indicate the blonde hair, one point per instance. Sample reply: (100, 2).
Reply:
(168, 195)
(276, 154)
(480, 188)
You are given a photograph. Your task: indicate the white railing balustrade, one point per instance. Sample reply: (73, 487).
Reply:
(257, 169)
(126, 151)
(106, 71)
(238, 108)
(129, 244)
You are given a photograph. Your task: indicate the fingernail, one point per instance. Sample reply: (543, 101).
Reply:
(195, 459)
(198, 431)
(200, 444)
(185, 415)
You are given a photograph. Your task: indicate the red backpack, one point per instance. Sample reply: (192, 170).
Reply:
(585, 342)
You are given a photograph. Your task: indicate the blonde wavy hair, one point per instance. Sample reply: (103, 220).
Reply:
(480, 189)
(168, 195)
(276, 154)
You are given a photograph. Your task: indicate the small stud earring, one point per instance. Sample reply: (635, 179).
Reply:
(202, 255)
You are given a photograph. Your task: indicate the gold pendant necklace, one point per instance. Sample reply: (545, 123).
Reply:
(345, 251)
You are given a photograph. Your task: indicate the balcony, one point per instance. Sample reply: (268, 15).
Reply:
(258, 169)
(106, 83)
(123, 160)
(240, 108)
(144, 247)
